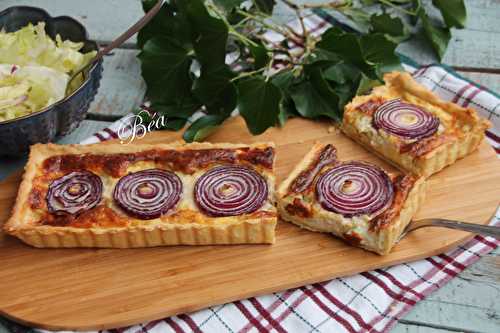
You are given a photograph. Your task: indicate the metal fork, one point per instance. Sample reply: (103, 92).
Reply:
(485, 230)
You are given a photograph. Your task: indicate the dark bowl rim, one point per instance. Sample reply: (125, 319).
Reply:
(89, 71)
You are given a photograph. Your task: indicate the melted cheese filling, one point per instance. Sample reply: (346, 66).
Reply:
(337, 224)
(186, 206)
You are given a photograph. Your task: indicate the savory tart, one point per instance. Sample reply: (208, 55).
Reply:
(354, 200)
(113, 195)
(410, 126)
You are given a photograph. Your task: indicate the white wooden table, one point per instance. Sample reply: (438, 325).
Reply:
(470, 302)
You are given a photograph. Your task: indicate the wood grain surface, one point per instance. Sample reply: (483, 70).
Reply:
(103, 288)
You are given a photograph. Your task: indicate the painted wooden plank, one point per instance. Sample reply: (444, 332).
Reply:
(485, 272)
(475, 46)
(467, 303)
(478, 49)
(122, 87)
(417, 328)
(3, 327)
(86, 129)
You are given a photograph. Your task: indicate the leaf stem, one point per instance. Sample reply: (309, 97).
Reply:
(240, 23)
(390, 4)
(331, 4)
(275, 48)
(269, 69)
(262, 22)
(231, 30)
(246, 74)
(244, 39)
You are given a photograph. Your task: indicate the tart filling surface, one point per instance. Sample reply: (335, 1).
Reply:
(411, 127)
(146, 195)
(357, 201)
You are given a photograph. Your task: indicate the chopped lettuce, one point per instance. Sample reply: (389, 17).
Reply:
(32, 46)
(35, 69)
(27, 89)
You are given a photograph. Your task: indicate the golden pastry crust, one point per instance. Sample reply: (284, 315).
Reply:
(460, 132)
(298, 204)
(106, 225)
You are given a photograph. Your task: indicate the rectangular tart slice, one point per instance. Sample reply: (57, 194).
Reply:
(410, 126)
(122, 196)
(354, 200)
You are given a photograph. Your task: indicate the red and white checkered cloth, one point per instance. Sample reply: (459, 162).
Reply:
(367, 302)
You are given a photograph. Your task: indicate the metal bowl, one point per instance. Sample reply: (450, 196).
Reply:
(61, 118)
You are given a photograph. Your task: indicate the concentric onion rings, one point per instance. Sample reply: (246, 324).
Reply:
(229, 191)
(148, 194)
(354, 188)
(74, 193)
(405, 120)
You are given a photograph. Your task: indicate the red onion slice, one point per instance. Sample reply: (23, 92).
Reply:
(148, 194)
(354, 188)
(405, 120)
(74, 193)
(229, 191)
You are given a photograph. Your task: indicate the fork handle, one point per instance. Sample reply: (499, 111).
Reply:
(117, 42)
(130, 31)
(484, 230)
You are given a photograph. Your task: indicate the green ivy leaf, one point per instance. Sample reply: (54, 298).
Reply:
(344, 93)
(381, 53)
(287, 110)
(209, 34)
(167, 23)
(228, 5)
(360, 17)
(453, 11)
(215, 89)
(345, 45)
(377, 49)
(366, 84)
(341, 65)
(165, 68)
(265, 6)
(392, 27)
(438, 37)
(314, 98)
(174, 118)
(324, 55)
(341, 73)
(259, 54)
(174, 124)
(373, 54)
(258, 103)
(203, 127)
(283, 79)
(184, 110)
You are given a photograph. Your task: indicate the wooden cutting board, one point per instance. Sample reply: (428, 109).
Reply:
(84, 289)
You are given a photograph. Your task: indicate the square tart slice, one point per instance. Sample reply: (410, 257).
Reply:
(354, 200)
(126, 196)
(411, 127)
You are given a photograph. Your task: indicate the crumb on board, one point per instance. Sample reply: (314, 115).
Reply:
(333, 129)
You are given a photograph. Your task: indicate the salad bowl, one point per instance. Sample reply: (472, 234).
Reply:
(62, 117)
